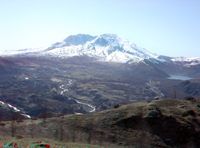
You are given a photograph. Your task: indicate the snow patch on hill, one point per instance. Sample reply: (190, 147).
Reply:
(187, 62)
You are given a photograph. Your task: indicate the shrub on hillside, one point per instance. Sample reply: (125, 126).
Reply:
(191, 98)
(117, 106)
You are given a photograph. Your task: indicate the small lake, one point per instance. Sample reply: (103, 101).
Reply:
(175, 77)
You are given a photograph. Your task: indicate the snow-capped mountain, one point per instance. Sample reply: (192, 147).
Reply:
(186, 62)
(106, 47)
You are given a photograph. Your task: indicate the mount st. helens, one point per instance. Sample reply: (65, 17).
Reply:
(105, 70)
(106, 47)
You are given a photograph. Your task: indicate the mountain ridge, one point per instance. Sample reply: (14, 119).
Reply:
(106, 47)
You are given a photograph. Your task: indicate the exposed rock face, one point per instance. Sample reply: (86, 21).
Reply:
(174, 126)
(189, 112)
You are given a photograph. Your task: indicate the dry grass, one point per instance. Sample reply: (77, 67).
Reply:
(27, 142)
(130, 125)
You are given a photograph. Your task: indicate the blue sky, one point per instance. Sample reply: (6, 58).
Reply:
(165, 27)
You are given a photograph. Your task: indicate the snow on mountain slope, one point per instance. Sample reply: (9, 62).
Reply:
(186, 62)
(79, 39)
(24, 51)
(12, 108)
(106, 47)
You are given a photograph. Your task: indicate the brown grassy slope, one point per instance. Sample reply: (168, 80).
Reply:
(28, 142)
(163, 123)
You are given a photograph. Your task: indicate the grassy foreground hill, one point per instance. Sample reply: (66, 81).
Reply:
(31, 142)
(159, 123)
